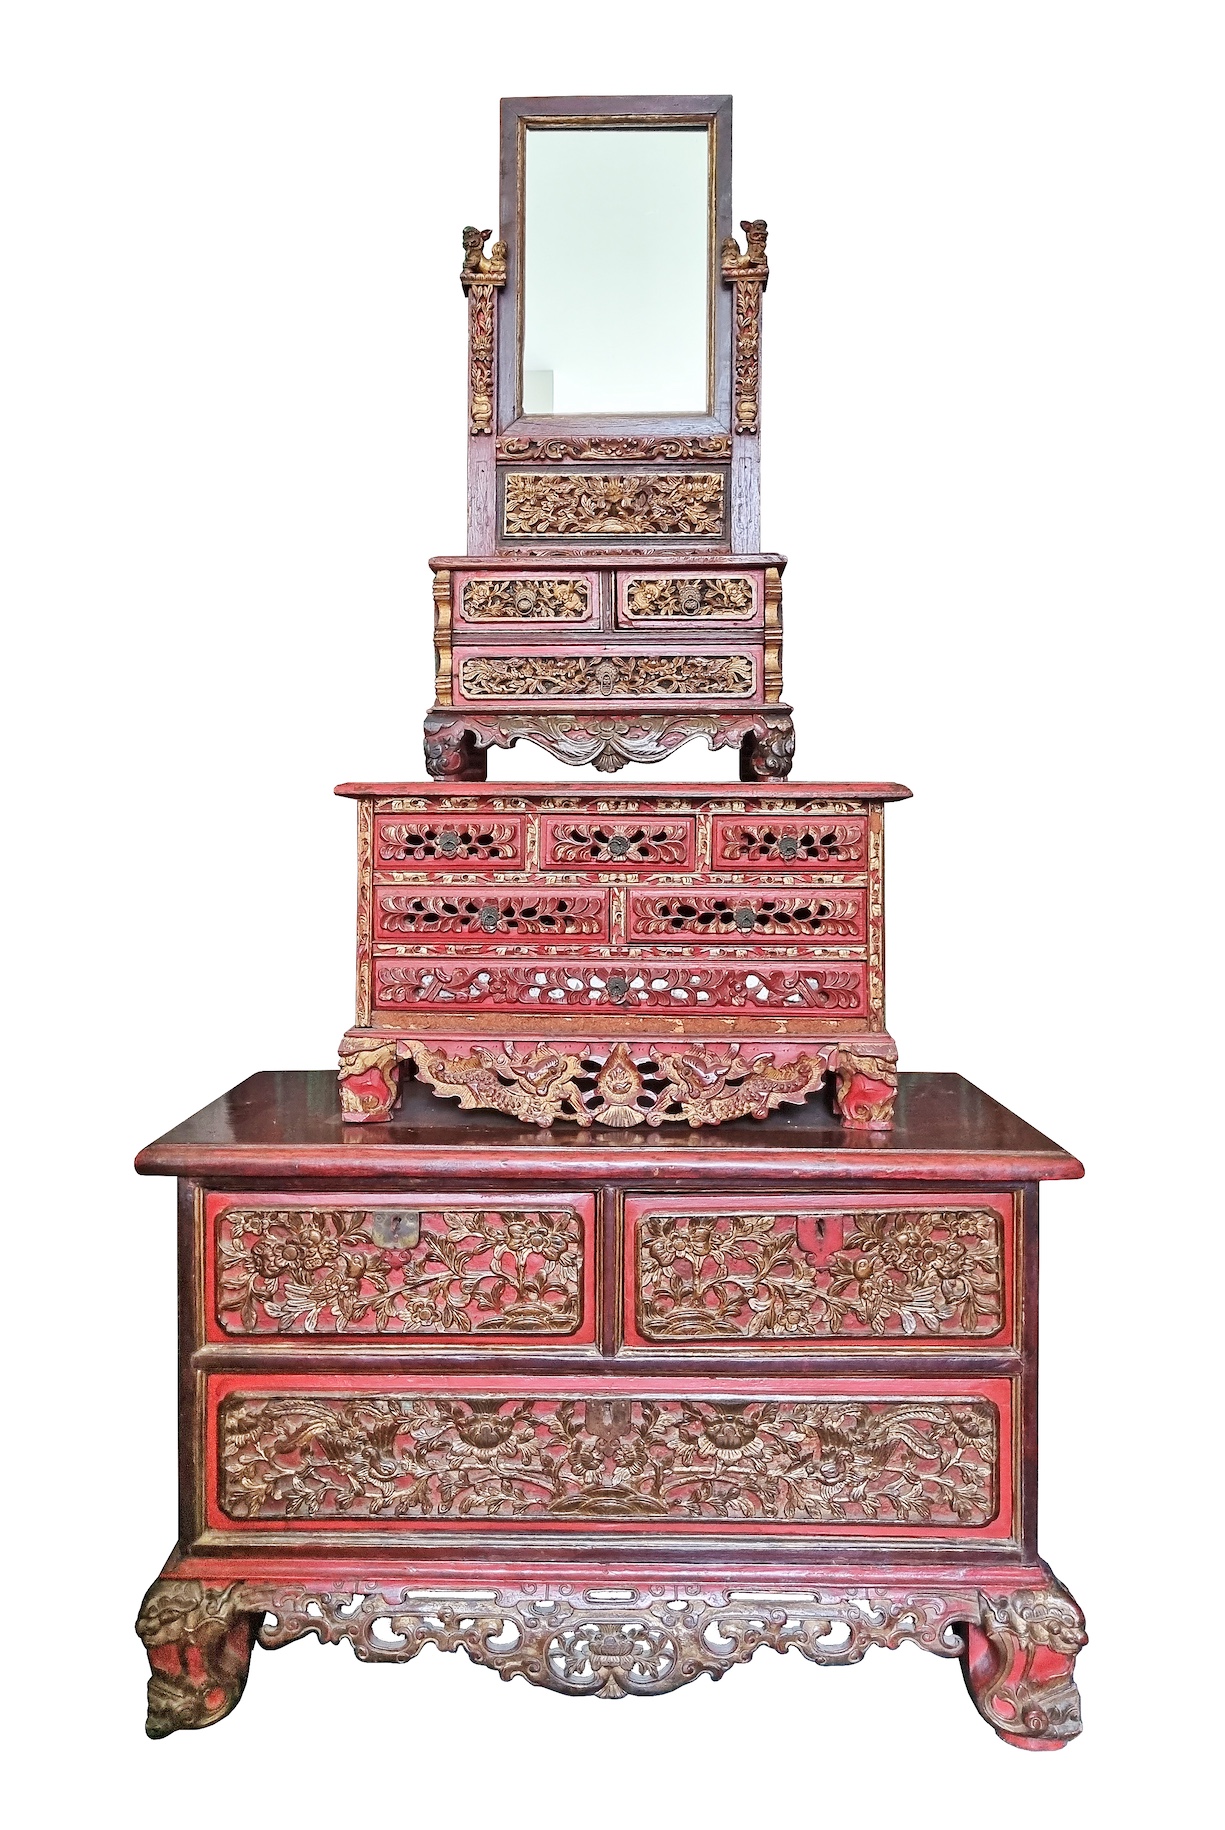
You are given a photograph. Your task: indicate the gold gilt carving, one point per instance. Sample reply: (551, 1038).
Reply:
(616, 450)
(479, 276)
(667, 502)
(915, 1462)
(727, 598)
(610, 1086)
(772, 668)
(898, 1271)
(631, 676)
(748, 273)
(379, 1271)
(488, 600)
(442, 638)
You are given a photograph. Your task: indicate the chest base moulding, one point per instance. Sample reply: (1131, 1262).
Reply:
(687, 954)
(606, 1413)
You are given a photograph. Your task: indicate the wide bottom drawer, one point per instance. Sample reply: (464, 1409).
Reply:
(911, 1459)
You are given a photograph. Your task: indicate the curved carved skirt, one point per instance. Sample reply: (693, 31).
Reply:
(457, 741)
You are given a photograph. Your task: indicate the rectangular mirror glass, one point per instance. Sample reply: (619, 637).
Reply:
(616, 270)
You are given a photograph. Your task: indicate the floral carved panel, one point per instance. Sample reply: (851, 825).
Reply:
(601, 676)
(558, 600)
(461, 915)
(692, 599)
(744, 916)
(577, 505)
(833, 843)
(450, 844)
(925, 1463)
(870, 1274)
(398, 1271)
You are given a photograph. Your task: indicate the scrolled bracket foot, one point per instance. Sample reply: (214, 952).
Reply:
(199, 1643)
(453, 751)
(1018, 1665)
(768, 750)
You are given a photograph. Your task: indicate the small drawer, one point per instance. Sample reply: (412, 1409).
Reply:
(637, 842)
(481, 1270)
(832, 842)
(460, 842)
(460, 914)
(634, 986)
(703, 599)
(490, 601)
(597, 676)
(886, 1270)
(749, 917)
(799, 1459)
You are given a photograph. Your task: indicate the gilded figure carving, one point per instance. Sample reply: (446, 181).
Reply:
(913, 1462)
(630, 676)
(1019, 1664)
(890, 1272)
(480, 275)
(665, 502)
(748, 273)
(865, 1089)
(381, 1271)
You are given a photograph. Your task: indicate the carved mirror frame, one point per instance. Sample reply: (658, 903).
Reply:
(507, 450)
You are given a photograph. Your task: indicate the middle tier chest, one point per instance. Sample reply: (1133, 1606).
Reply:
(701, 953)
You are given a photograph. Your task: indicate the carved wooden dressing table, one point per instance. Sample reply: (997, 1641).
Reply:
(524, 1340)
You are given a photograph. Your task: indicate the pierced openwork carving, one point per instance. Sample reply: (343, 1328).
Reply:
(459, 844)
(620, 1087)
(742, 916)
(667, 502)
(558, 600)
(792, 841)
(896, 1272)
(748, 272)
(630, 676)
(612, 843)
(384, 1271)
(728, 599)
(915, 1462)
(628, 985)
(457, 913)
(632, 1642)
(614, 450)
(456, 743)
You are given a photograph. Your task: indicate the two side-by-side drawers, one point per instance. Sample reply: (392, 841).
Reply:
(429, 1361)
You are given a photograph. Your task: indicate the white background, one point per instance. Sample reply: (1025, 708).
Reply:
(234, 396)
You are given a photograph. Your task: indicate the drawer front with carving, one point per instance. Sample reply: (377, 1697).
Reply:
(429, 841)
(491, 601)
(744, 917)
(781, 842)
(647, 841)
(478, 1270)
(681, 506)
(700, 599)
(877, 1271)
(648, 986)
(464, 913)
(594, 675)
(916, 1460)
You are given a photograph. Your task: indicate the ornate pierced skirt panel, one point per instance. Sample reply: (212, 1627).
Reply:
(718, 944)
(912, 1460)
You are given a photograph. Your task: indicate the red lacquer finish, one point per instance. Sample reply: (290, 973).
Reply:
(575, 1402)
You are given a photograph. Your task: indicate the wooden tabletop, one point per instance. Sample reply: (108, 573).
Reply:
(287, 1123)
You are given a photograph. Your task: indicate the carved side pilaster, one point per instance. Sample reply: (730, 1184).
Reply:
(772, 669)
(747, 272)
(481, 277)
(442, 638)
(365, 909)
(876, 920)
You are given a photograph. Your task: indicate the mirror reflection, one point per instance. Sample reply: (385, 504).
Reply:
(616, 271)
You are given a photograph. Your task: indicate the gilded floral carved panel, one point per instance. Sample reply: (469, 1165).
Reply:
(890, 1272)
(577, 505)
(918, 1463)
(597, 676)
(383, 1271)
(558, 600)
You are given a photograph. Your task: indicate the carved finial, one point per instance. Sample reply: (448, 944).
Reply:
(749, 263)
(479, 268)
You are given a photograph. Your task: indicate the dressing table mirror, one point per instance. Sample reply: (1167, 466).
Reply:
(612, 603)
